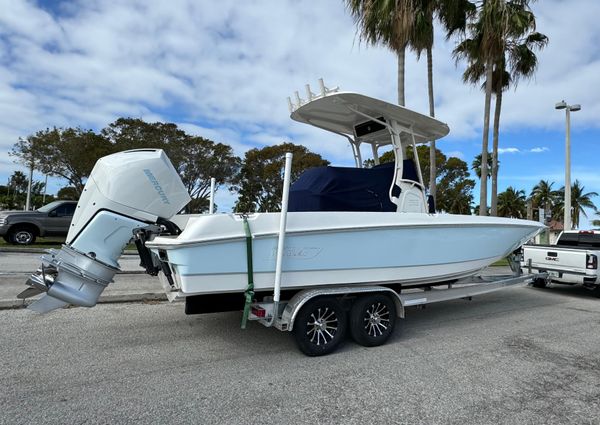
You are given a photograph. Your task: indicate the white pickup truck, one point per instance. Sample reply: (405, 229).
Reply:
(573, 260)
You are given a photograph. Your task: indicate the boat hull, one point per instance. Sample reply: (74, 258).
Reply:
(325, 248)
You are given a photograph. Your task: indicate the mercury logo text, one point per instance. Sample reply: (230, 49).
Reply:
(157, 186)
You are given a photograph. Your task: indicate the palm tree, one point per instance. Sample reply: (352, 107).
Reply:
(399, 24)
(579, 201)
(485, 45)
(523, 63)
(476, 165)
(18, 181)
(422, 39)
(542, 194)
(500, 81)
(512, 203)
(453, 15)
(386, 22)
(502, 27)
(596, 223)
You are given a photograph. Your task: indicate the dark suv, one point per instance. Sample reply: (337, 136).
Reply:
(22, 227)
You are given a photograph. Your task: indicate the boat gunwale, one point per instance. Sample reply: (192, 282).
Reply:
(264, 235)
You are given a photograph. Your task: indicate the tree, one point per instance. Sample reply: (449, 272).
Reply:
(423, 153)
(523, 63)
(68, 153)
(13, 196)
(198, 160)
(579, 201)
(502, 27)
(135, 133)
(195, 158)
(409, 23)
(71, 153)
(500, 82)
(260, 181)
(453, 15)
(596, 223)
(18, 182)
(476, 165)
(512, 203)
(544, 196)
(388, 23)
(68, 193)
(37, 187)
(455, 187)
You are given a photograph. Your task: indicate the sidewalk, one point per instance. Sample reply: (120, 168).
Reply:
(130, 285)
(125, 288)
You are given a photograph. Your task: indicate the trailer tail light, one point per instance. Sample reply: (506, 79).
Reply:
(259, 312)
(591, 261)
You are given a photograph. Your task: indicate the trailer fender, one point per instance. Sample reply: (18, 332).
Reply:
(298, 300)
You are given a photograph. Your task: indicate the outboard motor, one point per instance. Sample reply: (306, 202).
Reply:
(125, 191)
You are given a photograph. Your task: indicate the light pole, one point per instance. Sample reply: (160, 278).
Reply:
(568, 109)
(28, 201)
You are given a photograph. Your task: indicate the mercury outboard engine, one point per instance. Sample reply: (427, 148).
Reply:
(125, 191)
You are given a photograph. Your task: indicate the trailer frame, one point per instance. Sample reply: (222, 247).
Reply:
(284, 314)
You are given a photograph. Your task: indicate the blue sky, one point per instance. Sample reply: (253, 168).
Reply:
(223, 70)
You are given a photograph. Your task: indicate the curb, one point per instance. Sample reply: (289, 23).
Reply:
(43, 250)
(11, 273)
(16, 303)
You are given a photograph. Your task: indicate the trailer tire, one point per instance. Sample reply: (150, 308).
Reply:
(539, 283)
(372, 319)
(320, 326)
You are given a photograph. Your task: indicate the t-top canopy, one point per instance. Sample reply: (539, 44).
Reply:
(342, 112)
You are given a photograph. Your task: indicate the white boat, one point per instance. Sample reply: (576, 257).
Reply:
(336, 248)
(407, 246)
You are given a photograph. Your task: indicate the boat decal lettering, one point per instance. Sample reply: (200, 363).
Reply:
(300, 253)
(157, 187)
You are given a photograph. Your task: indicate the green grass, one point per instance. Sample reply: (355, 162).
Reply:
(503, 262)
(40, 243)
(46, 243)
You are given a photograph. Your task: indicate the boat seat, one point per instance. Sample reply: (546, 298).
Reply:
(409, 170)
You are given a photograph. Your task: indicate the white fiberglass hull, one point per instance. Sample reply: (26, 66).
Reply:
(337, 248)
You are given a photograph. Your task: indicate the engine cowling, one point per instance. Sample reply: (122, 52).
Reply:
(125, 191)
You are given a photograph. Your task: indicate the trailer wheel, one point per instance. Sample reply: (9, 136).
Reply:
(372, 319)
(320, 326)
(539, 283)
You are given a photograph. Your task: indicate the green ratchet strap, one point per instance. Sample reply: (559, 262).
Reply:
(249, 294)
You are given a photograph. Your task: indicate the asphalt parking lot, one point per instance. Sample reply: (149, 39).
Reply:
(520, 355)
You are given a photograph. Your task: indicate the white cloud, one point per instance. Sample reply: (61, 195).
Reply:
(224, 71)
(508, 150)
(517, 150)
